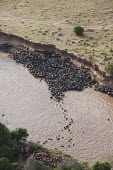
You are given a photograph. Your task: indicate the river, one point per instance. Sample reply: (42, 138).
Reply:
(25, 102)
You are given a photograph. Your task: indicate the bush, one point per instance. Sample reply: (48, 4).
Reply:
(109, 68)
(37, 146)
(9, 142)
(6, 152)
(33, 164)
(14, 147)
(5, 136)
(78, 30)
(19, 134)
(16, 166)
(5, 164)
(101, 166)
(73, 165)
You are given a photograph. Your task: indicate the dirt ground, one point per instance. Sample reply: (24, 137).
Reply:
(52, 22)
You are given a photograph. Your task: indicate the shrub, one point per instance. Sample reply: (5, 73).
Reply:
(5, 164)
(9, 146)
(109, 68)
(101, 166)
(33, 164)
(19, 134)
(37, 146)
(72, 165)
(6, 152)
(16, 166)
(78, 30)
(5, 136)
(14, 147)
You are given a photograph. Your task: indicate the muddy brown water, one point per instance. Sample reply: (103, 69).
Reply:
(25, 102)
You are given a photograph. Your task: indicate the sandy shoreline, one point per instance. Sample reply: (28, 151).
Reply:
(25, 102)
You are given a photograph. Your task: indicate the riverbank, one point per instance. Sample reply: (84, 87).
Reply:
(52, 22)
(12, 43)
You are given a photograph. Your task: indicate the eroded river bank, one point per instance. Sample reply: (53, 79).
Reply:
(25, 102)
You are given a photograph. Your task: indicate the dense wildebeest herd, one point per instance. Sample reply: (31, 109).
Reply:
(48, 158)
(104, 89)
(60, 74)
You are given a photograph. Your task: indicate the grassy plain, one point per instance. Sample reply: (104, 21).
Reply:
(52, 22)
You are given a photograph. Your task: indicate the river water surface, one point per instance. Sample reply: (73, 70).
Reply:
(25, 102)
